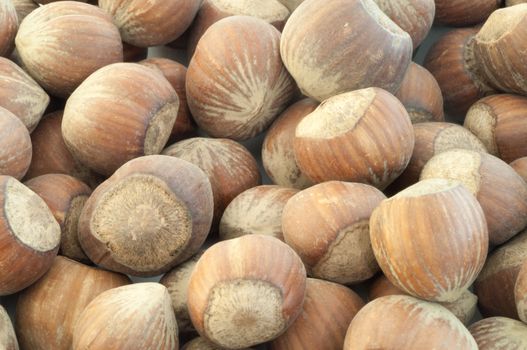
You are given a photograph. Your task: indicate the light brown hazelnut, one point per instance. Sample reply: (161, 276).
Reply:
(236, 81)
(319, 42)
(176, 281)
(151, 214)
(520, 292)
(464, 13)
(498, 121)
(65, 197)
(211, 11)
(499, 48)
(463, 308)
(230, 167)
(500, 191)
(499, 333)
(21, 95)
(326, 315)
(413, 226)
(29, 236)
(413, 16)
(8, 339)
(342, 139)
(51, 156)
(137, 316)
(176, 73)
(52, 44)
(328, 226)
(495, 284)
(8, 27)
(451, 61)
(246, 291)
(46, 312)
(15, 145)
(421, 96)
(122, 111)
(156, 22)
(257, 210)
(403, 322)
(278, 157)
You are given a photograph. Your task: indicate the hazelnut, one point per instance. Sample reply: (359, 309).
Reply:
(175, 73)
(50, 154)
(463, 308)
(520, 292)
(21, 95)
(246, 291)
(256, 211)
(499, 122)
(8, 339)
(432, 138)
(421, 95)
(327, 312)
(499, 48)
(176, 281)
(464, 13)
(137, 316)
(133, 53)
(413, 16)
(157, 22)
(112, 118)
(499, 333)
(24, 8)
(51, 43)
(320, 41)
(425, 250)
(211, 11)
(278, 157)
(65, 197)
(451, 61)
(520, 166)
(514, 2)
(342, 139)
(29, 234)
(8, 27)
(200, 343)
(327, 225)
(236, 82)
(230, 167)
(47, 312)
(15, 145)
(500, 191)
(403, 322)
(495, 284)
(151, 214)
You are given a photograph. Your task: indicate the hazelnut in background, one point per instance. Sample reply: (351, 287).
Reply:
(51, 43)
(520, 292)
(360, 136)
(122, 111)
(27, 247)
(499, 333)
(328, 226)
(464, 13)
(8, 27)
(57, 300)
(236, 81)
(21, 95)
(8, 340)
(246, 291)
(136, 316)
(15, 146)
(151, 23)
(153, 213)
(520, 166)
(325, 56)
(65, 197)
(24, 8)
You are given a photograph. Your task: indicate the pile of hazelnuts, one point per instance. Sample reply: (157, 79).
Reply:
(380, 224)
